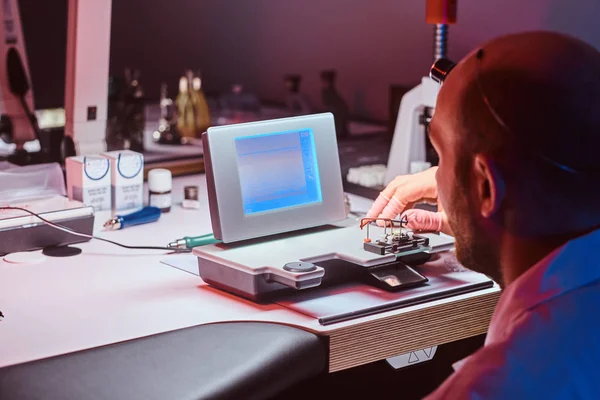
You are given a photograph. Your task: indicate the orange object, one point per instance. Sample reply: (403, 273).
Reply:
(367, 240)
(441, 11)
(387, 221)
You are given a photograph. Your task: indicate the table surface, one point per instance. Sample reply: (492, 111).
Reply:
(109, 294)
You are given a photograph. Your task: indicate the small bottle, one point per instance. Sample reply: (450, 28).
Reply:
(160, 184)
(191, 197)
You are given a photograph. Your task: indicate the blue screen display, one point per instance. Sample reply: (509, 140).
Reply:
(278, 170)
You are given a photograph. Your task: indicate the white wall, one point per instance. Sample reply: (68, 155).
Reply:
(372, 43)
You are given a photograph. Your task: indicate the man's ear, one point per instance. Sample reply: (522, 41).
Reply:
(489, 184)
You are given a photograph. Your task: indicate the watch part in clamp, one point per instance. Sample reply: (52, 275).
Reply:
(393, 241)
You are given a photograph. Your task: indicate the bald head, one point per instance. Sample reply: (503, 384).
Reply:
(545, 88)
(530, 101)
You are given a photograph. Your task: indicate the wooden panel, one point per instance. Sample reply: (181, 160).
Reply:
(177, 168)
(399, 334)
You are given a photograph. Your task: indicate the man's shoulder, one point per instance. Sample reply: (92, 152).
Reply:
(559, 330)
(548, 351)
(561, 318)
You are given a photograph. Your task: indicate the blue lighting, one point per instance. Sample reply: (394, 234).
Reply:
(278, 170)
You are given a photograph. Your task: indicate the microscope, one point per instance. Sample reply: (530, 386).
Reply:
(18, 124)
(410, 150)
(86, 88)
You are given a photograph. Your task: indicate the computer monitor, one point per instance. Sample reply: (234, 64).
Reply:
(271, 177)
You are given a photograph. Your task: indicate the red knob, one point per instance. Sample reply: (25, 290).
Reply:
(441, 11)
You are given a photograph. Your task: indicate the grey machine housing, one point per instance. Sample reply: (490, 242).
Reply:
(28, 233)
(280, 250)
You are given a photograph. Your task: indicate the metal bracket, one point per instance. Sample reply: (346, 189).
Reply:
(412, 358)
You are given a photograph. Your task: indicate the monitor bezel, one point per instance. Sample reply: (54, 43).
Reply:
(229, 222)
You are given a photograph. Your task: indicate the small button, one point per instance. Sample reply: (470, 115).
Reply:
(299, 266)
(91, 113)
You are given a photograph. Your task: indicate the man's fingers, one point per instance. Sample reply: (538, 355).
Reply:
(393, 208)
(398, 203)
(421, 220)
(391, 187)
(378, 206)
(402, 191)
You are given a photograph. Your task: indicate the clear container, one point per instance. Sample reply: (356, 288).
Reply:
(31, 182)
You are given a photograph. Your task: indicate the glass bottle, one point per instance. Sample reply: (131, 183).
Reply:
(202, 113)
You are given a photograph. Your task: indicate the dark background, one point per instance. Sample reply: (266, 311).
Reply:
(372, 43)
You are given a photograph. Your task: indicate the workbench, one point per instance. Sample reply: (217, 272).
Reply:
(109, 295)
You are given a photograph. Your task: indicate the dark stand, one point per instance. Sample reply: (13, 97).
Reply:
(126, 115)
(295, 100)
(335, 104)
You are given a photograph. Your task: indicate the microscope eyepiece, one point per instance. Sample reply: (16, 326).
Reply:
(440, 70)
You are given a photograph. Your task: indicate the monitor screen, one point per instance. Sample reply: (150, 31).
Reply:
(278, 170)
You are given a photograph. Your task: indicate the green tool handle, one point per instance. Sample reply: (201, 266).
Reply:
(189, 242)
(195, 241)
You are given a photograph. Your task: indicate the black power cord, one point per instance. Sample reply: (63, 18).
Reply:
(71, 231)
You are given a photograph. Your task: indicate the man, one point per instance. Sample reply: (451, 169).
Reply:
(517, 129)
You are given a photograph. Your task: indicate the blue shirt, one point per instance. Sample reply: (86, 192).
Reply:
(544, 337)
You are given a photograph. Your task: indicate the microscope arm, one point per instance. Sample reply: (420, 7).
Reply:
(408, 151)
(16, 96)
(86, 88)
(408, 144)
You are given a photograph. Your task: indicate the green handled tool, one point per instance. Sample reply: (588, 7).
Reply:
(189, 242)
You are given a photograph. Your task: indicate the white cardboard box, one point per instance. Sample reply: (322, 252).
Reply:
(127, 176)
(89, 181)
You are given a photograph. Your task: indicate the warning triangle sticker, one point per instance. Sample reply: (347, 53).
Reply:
(413, 358)
(428, 352)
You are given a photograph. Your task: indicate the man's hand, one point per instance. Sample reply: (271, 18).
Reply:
(422, 220)
(400, 196)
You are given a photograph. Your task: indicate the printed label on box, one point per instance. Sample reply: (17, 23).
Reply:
(96, 168)
(129, 165)
(97, 197)
(127, 196)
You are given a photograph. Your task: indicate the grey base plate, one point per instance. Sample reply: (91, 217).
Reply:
(256, 267)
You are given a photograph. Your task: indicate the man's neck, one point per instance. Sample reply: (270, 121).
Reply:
(520, 254)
